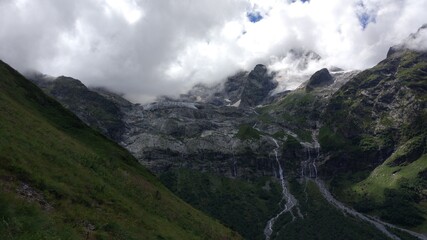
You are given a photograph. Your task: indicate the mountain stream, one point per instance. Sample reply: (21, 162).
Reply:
(310, 165)
(286, 196)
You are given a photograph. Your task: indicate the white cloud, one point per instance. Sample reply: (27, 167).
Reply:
(416, 41)
(129, 10)
(146, 48)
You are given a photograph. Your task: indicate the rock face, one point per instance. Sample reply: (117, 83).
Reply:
(200, 130)
(320, 78)
(100, 111)
(303, 57)
(257, 87)
(222, 94)
(375, 105)
(242, 90)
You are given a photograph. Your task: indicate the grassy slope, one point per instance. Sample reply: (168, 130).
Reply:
(244, 206)
(85, 185)
(294, 110)
(321, 220)
(395, 189)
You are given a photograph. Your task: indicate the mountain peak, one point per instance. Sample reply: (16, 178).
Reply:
(319, 79)
(415, 41)
(260, 83)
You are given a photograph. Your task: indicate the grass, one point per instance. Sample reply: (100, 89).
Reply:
(244, 206)
(95, 188)
(413, 71)
(330, 140)
(247, 132)
(295, 111)
(389, 177)
(357, 136)
(321, 220)
(394, 193)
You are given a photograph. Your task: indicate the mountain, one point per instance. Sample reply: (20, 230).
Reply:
(101, 112)
(375, 126)
(258, 86)
(265, 164)
(244, 89)
(62, 180)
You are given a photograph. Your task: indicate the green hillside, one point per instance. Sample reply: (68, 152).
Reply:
(375, 132)
(59, 179)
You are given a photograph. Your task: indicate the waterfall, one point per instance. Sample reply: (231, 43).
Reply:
(234, 163)
(309, 166)
(286, 196)
(311, 162)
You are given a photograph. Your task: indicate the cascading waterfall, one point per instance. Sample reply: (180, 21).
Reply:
(311, 165)
(313, 153)
(234, 162)
(286, 196)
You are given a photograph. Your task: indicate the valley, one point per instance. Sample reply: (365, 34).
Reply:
(343, 156)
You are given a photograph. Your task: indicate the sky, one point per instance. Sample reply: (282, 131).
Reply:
(147, 48)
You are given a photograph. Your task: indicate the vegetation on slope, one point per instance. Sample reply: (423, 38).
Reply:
(59, 179)
(320, 219)
(241, 205)
(296, 111)
(247, 132)
(375, 136)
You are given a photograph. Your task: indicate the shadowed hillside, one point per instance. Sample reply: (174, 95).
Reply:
(59, 179)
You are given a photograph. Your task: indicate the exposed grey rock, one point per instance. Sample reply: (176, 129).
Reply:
(34, 196)
(259, 84)
(174, 133)
(103, 112)
(303, 57)
(320, 78)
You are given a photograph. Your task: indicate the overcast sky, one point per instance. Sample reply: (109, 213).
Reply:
(146, 48)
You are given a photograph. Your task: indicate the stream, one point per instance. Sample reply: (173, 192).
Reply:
(380, 225)
(286, 196)
(309, 172)
(310, 166)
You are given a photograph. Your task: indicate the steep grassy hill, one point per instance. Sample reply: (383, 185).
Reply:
(375, 132)
(59, 179)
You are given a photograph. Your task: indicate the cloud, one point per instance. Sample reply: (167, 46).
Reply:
(417, 41)
(146, 48)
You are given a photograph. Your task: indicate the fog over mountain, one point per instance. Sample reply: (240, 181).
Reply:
(146, 48)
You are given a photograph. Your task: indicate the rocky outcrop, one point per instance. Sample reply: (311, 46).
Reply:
(203, 138)
(415, 41)
(320, 78)
(373, 108)
(240, 90)
(221, 94)
(259, 84)
(103, 111)
(303, 57)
